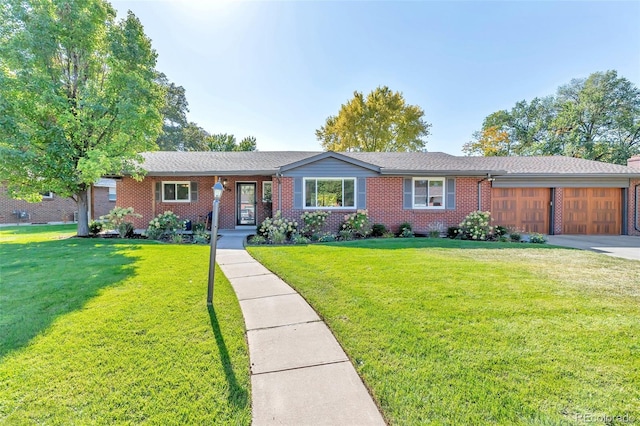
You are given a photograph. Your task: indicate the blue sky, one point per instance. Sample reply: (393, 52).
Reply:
(277, 69)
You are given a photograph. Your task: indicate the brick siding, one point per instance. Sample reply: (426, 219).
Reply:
(141, 196)
(56, 209)
(100, 200)
(385, 201)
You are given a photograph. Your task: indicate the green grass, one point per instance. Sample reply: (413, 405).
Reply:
(109, 331)
(456, 332)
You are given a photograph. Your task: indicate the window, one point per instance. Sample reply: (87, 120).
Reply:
(428, 193)
(330, 193)
(47, 195)
(112, 194)
(266, 192)
(176, 191)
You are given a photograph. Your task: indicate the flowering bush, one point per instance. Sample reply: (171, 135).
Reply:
(476, 226)
(164, 225)
(117, 219)
(277, 229)
(406, 230)
(537, 238)
(358, 223)
(313, 222)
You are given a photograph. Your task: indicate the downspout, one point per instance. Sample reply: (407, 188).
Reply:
(552, 212)
(636, 219)
(487, 178)
(279, 178)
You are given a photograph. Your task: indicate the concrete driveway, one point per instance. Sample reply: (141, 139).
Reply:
(623, 246)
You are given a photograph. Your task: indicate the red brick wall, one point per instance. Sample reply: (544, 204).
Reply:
(385, 201)
(101, 204)
(140, 196)
(56, 209)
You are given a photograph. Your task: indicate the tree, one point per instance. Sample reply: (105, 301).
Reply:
(78, 97)
(380, 122)
(596, 118)
(174, 114)
(220, 142)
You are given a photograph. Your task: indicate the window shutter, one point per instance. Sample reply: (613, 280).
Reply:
(451, 194)
(158, 191)
(297, 193)
(362, 193)
(408, 191)
(194, 191)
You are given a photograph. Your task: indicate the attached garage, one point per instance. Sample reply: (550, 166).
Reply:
(592, 211)
(525, 209)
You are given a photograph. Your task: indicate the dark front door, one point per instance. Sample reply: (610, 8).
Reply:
(246, 203)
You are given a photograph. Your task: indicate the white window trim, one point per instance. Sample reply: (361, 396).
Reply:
(112, 192)
(47, 195)
(175, 183)
(427, 207)
(304, 193)
(265, 183)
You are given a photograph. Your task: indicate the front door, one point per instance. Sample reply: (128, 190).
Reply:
(246, 203)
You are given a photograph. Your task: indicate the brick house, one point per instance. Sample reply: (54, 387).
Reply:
(54, 209)
(550, 195)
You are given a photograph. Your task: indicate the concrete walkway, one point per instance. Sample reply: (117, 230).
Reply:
(299, 373)
(624, 246)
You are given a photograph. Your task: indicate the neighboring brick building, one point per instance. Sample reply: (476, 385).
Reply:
(551, 195)
(53, 209)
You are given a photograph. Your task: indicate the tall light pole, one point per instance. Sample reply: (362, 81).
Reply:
(218, 189)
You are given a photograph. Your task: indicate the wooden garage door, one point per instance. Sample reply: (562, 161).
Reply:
(592, 211)
(525, 209)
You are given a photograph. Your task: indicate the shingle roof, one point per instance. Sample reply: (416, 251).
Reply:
(168, 163)
(551, 165)
(210, 163)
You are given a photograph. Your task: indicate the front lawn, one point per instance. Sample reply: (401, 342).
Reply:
(458, 332)
(108, 331)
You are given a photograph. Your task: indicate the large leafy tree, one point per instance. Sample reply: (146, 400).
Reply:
(174, 115)
(381, 121)
(199, 140)
(78, 97)
(596, 118)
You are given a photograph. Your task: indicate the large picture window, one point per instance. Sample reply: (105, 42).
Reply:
(330, 192)
(428, 193)
(176, 191)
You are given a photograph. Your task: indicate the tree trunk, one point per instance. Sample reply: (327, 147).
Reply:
(83, 213)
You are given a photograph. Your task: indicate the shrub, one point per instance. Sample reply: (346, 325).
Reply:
(515, 236)
(405, 230)
(378, 230)
(117, 219)
(388, 234)
(537, 238)
(345, 235)
(435, 229)
(176, 239)
(313, 222)
(277, 229)
(453, 232)
(327, 238)
(95, 227)
(201, 236)
(476, 226)
(165, 225)
(299, 239)
(358, 224)
(499, 231)
(258, 239)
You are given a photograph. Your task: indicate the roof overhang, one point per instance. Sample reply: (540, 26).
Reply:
(412, 172)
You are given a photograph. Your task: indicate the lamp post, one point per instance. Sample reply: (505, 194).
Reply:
(218, 189)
